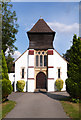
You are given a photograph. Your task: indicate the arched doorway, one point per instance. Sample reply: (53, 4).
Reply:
(41, 81)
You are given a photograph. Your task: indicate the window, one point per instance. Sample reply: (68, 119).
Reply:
(23, 73)
(36, 60)
(40, 60)
(45, 60)
(58, 73)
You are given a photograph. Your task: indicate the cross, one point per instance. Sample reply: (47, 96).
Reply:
(40, 17)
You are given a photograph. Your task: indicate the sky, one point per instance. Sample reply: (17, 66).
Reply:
(62, 17)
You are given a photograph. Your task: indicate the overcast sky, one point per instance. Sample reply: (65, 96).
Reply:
(62, 17)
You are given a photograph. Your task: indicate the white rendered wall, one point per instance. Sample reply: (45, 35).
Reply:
(31, 60)
(31, 85)
(56, 61)
(30, 72)
(11, 77)
(50, 85)
(51, 60)
(50, 73)
(22, 62)
(31, 81)
(59, 62)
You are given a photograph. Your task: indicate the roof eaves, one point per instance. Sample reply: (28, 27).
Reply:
(62, 56)
(19, 56)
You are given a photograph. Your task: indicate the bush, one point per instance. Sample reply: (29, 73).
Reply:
(75, 100)
(59, 84)
(73, 88)
(20, 85)
(6, 88)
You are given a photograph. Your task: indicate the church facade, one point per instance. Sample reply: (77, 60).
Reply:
(40, 65)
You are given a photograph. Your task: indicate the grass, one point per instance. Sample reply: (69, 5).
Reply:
(7, 106)
(71, 108)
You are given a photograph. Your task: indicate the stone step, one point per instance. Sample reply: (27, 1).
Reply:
(40, 90)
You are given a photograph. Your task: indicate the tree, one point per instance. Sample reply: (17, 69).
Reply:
(9, 28)
(10, 63)
(6, 83)
(73, 83)
(4, 67)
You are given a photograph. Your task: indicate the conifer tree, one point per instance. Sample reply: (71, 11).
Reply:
(73, 83)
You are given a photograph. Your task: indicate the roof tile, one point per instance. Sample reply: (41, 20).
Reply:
(41, 26)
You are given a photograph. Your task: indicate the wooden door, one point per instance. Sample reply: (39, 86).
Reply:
(41, 82)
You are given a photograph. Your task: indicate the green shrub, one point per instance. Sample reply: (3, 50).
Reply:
(75, 100)
(20, 85)
(6, 88)
(59, 84)
(73, 88)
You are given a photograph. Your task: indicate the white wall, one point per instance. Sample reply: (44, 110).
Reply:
(11, 77)
(30, 72)
(22, 62)
(59, 62)
(56, 61)
(31, 85)
(31, 60)
(50, 85)
(31, 82)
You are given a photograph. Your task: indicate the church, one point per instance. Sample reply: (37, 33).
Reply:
(40, 65)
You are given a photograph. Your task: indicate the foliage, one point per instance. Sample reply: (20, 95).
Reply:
(59, 84)
(6, 88)
(9, 27)
(4, 78)
(4, 67)
(10, 63)
(75, 100)
(20, 85)
(73, 83)
(0, 65)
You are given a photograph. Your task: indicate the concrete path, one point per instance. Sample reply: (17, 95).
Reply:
(37, 105)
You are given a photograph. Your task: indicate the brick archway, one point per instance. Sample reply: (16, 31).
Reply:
(41, 81)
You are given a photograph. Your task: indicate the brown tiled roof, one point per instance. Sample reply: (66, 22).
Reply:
(41, 26)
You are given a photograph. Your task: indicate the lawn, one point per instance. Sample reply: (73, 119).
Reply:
(71, 108)
(7, 106)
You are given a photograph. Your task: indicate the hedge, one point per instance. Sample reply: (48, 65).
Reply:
(6, 88)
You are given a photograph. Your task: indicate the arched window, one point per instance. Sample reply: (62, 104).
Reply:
(37, 60)
(40, 60)
(45, 60)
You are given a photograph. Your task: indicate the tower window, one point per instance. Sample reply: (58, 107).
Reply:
(36, 60)
(45, 60)
(58, 73)
(23, 73)
(40, 60)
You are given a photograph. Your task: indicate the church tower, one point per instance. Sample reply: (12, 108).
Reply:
(41, 38)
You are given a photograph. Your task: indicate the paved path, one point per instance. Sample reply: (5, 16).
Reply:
(37, 105)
